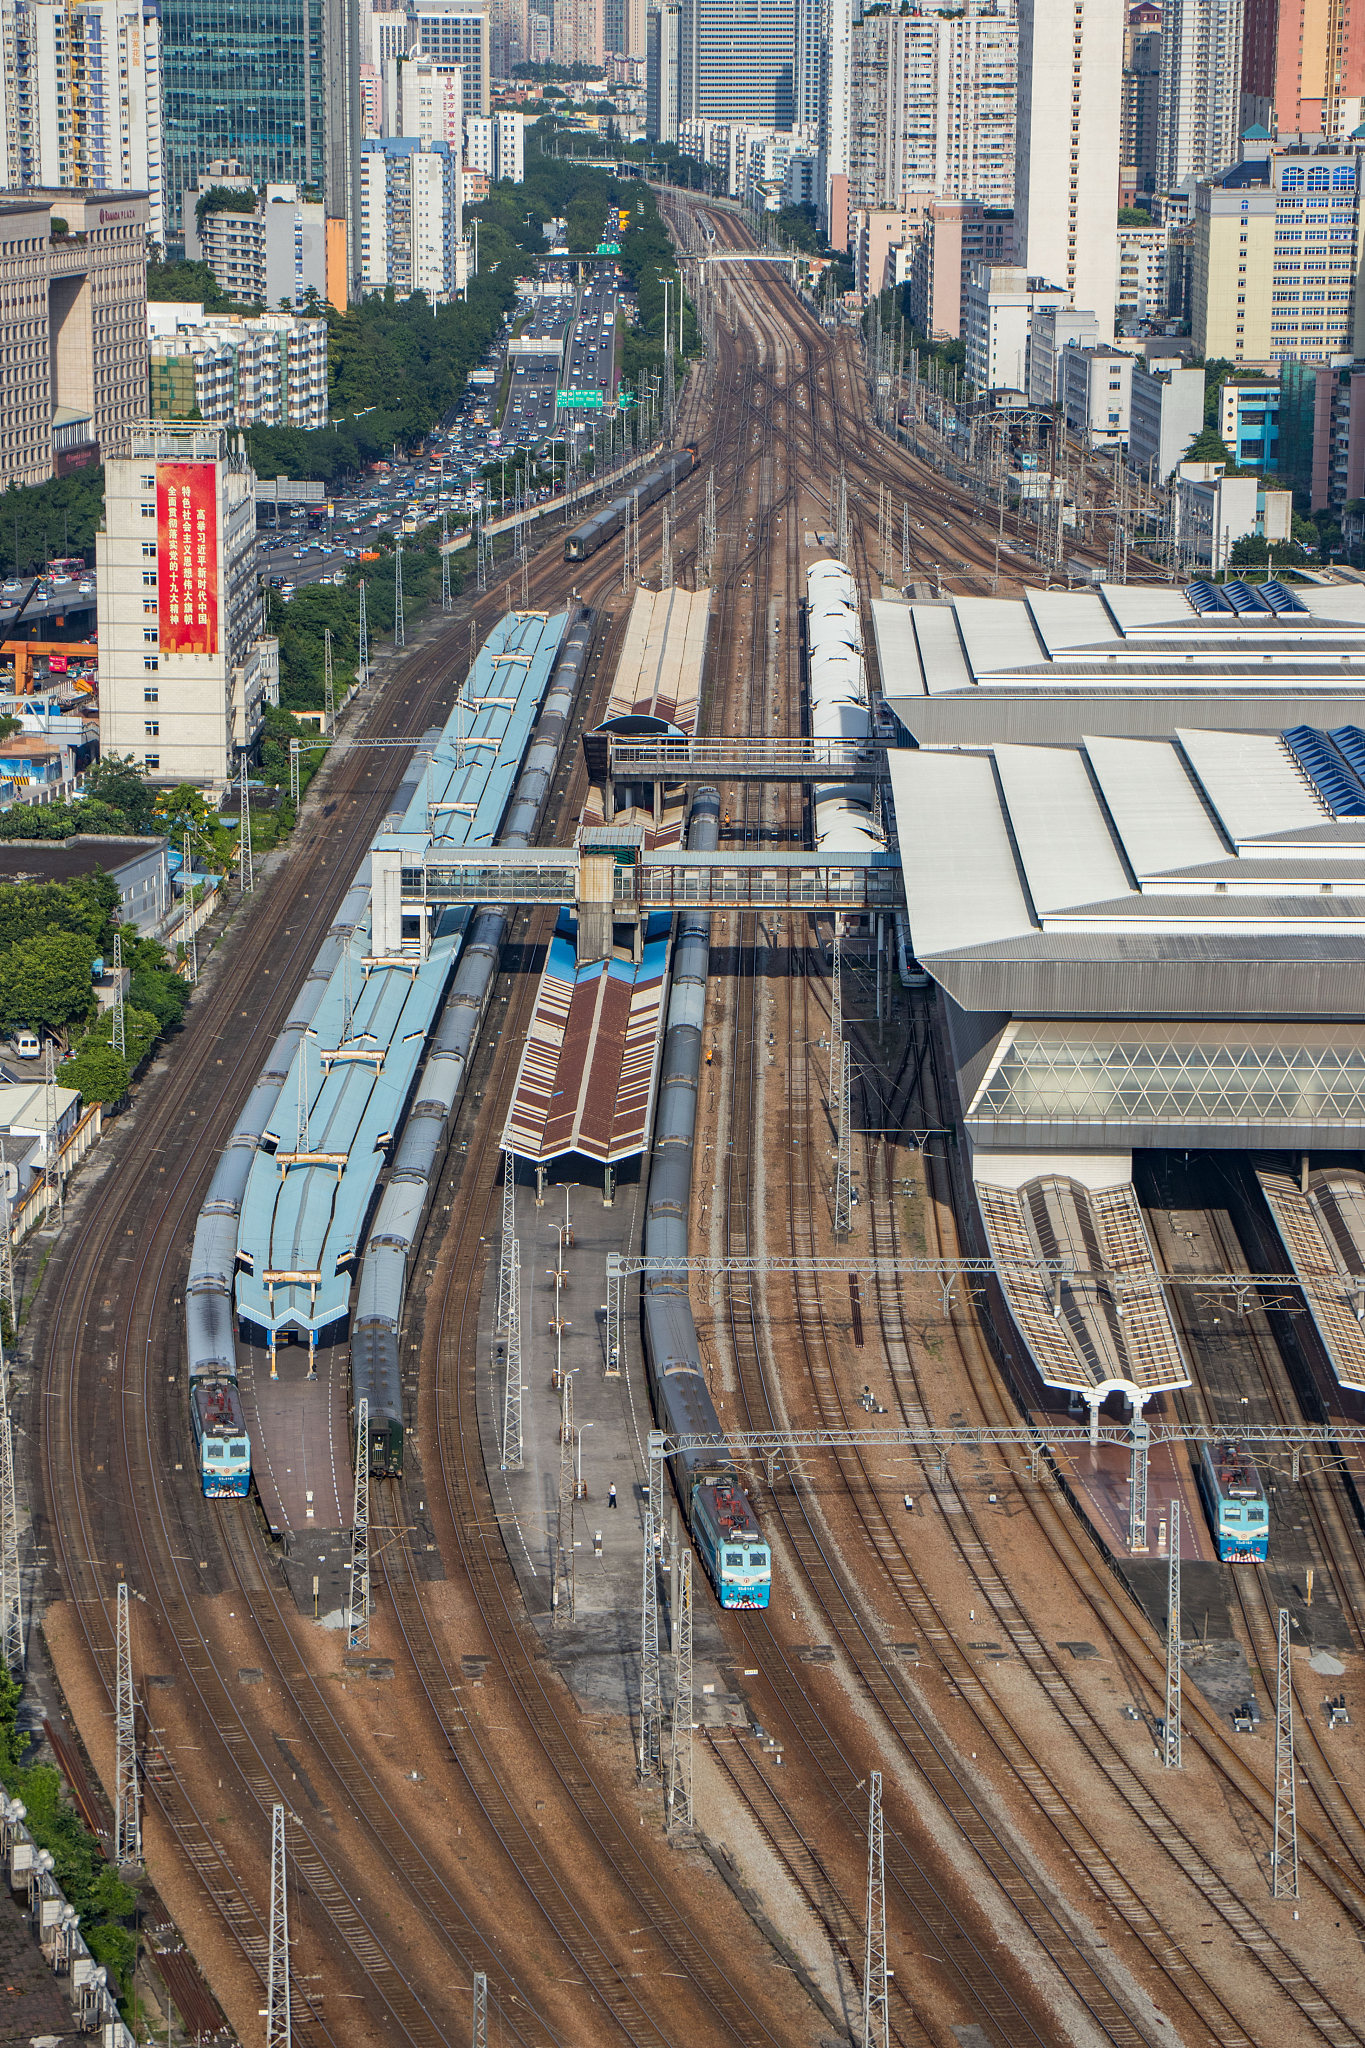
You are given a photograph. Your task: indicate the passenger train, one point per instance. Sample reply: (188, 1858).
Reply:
(586, 539)
(717, 1510)
(1235, 1501)
(840, 707)
(221, 1440)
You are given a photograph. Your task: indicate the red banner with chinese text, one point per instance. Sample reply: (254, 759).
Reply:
(187, 557)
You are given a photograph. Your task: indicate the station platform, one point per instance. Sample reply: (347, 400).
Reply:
(1322, 1227)
(301, 1458)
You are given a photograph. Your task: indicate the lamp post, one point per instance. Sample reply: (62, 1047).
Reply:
(580, 1489)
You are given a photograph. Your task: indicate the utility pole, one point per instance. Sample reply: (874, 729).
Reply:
(1171, 1750)
(11, 1579)
(905, 543)
(509, 1231)
(843, 1178)
(666, 559)
(876, 1988)
(480, 2029)
(511, 1411)
(564, 1565)
(118, 1034)
(447, 601)
(53, 1164)
(279, 2024)
(360, 1532)
(1284, 1856)
(651, 1709)
(680, 1750)
(363, 641)
(400, 638)
(294, 772)
(843, 516)
(127, 1802)
(329, 694)
(247, 875)
(1137, 1485)
(8, 1291)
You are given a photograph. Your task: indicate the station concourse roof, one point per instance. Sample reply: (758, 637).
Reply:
(1131, 659)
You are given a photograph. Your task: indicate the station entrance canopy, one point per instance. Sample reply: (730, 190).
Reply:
(611, 880)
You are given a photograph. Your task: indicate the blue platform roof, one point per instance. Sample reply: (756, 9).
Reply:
(311, 1184)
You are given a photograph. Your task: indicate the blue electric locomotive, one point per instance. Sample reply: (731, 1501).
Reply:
(731, 1544)
(1235, 1500)
(221, 1439)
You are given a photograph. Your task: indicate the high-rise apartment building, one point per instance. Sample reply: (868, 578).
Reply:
(506, 36)
(425, 98)
(456, 33)
(1199, 118)
(1067, 148)
(275, 84)
(1277, 255)
(82, 103)
(933, 106)
(661, 72)
(738, 61)
(808, 77)
(263, 248)
(1303, 66)
(1141, 101)
(496, 145)
(411, 220)
(270, 371)
(73, 307)
(186, 668)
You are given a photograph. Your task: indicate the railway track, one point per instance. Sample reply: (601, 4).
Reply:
(752, 1336)
(114, 1507)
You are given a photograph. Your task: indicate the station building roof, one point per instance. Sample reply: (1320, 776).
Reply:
(1097, 914)
(1132, 659)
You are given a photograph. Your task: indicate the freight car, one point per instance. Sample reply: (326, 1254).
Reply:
(718, 1513)
(586, 539)
(387, 1259)
(1235, 1501)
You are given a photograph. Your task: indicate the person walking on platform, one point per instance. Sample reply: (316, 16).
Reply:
(611, 1497)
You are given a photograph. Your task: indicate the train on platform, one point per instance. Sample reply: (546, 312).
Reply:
(586, 539)
(719, 1515)
(1235, 1502)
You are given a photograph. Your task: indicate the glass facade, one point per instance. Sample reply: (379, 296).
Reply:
(1185, 1076)
(244, 79)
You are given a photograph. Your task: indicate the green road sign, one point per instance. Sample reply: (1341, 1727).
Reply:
(590, 401)
(608, 249)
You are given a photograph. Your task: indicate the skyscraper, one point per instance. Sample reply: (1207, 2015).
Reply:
(933, 106)
(1303, 66)
(275, 84)
(738, 60)
(1199, 117)
(661, 72)
(1067, 149)
(1141, 100)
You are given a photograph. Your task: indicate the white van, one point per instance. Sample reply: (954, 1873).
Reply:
(28, 1045)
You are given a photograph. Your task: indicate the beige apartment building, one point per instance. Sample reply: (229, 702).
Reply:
(73, 305)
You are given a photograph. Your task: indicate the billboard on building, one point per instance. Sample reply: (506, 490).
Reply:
(187, 556)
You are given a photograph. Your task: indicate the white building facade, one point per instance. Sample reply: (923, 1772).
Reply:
(186, 668)
(1199, 111)
(265, 372)
(1067, 148)
(496, 145)
(933, 106)
(410, 217)
(998, 303)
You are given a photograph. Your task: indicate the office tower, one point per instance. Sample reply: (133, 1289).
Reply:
(932, 102)
(810, 60)
(737, 61)
(661, 72)
(411, 220)
(74, 312)
(1201, 89)
(186, 668)
(1067, 149)
(1303, 66)
(1141, 101)
(456, 33)
(275, 84)
(86, 98)
(1277, 252)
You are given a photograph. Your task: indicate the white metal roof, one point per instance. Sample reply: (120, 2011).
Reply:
(943, 663)
(997, 633)
(893, 629)
(1253, 782)
(1152, 798)
(1067, 618)
(1060, 828)
(967, 891)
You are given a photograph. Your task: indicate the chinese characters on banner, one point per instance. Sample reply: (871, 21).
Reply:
(187, 557)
